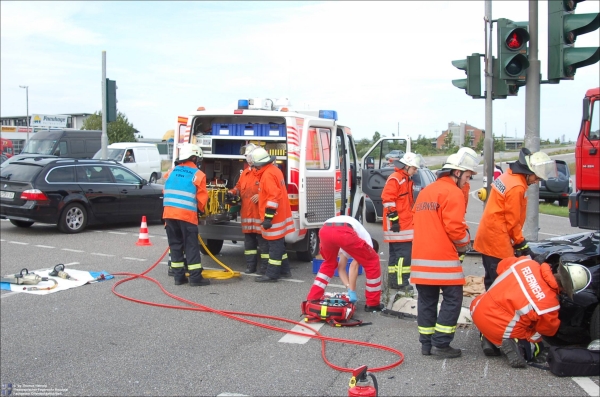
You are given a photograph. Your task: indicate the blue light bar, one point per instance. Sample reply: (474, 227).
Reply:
(242, 104)
(328, 114)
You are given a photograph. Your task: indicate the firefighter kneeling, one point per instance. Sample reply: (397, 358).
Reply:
(522, 305)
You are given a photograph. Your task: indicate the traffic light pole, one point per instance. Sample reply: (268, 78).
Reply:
(488, 141)
(532, 121)
(104, 137)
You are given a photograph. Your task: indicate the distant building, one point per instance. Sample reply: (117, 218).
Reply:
(462, 135)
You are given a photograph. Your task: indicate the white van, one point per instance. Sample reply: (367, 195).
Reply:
(141, 158)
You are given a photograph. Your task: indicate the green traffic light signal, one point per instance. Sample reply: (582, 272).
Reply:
(111, 100)
(472, 67)
(512, 50)
(563, 28)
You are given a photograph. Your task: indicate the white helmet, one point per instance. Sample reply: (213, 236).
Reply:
(411, 159)
(247, 151)
(188, 150)
(574, 277)
(261, 157)
(464, 160)
(541, 165)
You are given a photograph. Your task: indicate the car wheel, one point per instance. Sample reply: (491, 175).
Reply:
(21, 223)
(563, 202)
(370, 217)
(595, 324)
(214, 246)
(152, 178)
(73, 219)
(313, 247)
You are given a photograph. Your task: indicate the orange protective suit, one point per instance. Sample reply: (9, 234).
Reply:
(246, 187)
(273, 194)
(397, 195)
(503, 217)
(439, 225)
(522, 303)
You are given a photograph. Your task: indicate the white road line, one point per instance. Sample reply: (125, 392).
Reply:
(44, 246)
(588, 385)
(121, 233)
(1, 239)
(134, 259)
(99, 254)
(71, 250)
(18, 242)
(290, 338)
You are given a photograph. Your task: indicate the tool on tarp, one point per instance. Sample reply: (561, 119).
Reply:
(59, 271)
(26, 278)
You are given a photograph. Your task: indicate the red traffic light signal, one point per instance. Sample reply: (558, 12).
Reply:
(516, 39)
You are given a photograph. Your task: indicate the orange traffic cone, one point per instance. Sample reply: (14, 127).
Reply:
(143, 239)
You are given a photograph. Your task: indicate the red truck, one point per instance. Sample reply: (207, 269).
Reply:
(584, 203)
(7, 147)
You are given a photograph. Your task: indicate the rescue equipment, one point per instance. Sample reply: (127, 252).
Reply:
(335, 309)
(28, 279)
(59, 271)
(360, 386)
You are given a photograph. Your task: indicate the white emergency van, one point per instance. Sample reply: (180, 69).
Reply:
(316, 155)
(141, 158)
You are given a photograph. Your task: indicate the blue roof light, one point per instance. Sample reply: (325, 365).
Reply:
(242, 104)
(328, 114)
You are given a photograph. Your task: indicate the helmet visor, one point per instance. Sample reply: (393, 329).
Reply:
(545, 170)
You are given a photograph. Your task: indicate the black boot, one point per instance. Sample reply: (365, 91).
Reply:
(489, 349)
(179, 275)
(196, 279)
(447, 352)
(513, 353)
(250, 264)
(265, 279)
(405, 286)
(286, 271)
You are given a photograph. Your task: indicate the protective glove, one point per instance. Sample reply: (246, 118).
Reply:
(393, 217)
(266, 223)
(543, 258)
(200, 213)
(522, 249)
(352, 296)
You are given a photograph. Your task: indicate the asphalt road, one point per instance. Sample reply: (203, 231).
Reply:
(88, 341)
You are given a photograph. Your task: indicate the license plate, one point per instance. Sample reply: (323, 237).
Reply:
(7, 195)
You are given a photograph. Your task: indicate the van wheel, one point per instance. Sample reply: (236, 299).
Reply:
(73, 219)
(595, 324)
(359, 215)
(370, 217)
(153, 178)
(214, 246)
(21, 223)
(313, 247)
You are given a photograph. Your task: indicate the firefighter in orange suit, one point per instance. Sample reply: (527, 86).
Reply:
(523, 304)
(185, 195)
(276, 214)
(247, 189)
(397, 199)
(499, 234)
(440, 236)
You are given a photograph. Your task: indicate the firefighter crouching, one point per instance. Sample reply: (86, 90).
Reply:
(397, 198)
(185, 195)
(276, 214)
(247, 189)
(522, 305)
(439, 217)
(499, 234)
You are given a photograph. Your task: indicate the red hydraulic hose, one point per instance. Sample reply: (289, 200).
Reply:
(236, 316)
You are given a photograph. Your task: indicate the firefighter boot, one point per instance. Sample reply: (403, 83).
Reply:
(393, 277)
(179, 275)
(250, 263)
(489, 349)
(196, 279)
(286, 271)
(405, 286)
(271, 275)
(513, 353)
(447, 352)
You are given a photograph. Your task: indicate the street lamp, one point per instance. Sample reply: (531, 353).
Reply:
(27, 100)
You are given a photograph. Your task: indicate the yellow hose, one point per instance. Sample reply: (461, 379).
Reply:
(217, 274)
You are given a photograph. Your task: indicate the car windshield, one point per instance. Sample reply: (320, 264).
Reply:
(112, 154)
(20, 172)
(39, 146)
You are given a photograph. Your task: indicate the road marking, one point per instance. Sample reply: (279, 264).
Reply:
(99, 254)
(1, 239)
(290, 338)
(18, 242)
(44, 246)
(121, 233)
(485, 370)
(71, 250)
(588, 385)
(134, 259)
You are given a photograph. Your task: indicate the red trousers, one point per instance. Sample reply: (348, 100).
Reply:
(332, 239)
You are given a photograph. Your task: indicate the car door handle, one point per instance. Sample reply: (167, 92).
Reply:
(124, 191)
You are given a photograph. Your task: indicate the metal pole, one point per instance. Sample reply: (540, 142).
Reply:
(104, 138)
(488, 142)
(27, 105)
(532, 121)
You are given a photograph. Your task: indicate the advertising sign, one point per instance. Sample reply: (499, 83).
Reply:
(45, 120)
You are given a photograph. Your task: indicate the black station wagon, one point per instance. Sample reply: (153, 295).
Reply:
(72, 193)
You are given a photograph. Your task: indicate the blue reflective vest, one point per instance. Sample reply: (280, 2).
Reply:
(180, 191)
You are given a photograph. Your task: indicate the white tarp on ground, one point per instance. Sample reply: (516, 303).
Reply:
(81, 277)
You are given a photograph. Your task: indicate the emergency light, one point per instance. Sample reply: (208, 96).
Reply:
(242, 104)
(328, 114)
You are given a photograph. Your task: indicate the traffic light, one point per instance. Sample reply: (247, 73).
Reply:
(111, 100)
(563, 28)
(503, 88)
(472, 67)
(512, 50)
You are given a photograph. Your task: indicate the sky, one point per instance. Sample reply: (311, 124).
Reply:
(384, 66)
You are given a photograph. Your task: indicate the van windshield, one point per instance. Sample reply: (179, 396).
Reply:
(40, 146)
(112, 154)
